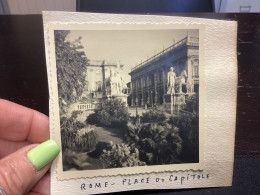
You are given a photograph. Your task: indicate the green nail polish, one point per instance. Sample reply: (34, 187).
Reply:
(44, 153)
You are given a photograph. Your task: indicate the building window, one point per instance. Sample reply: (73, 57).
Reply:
(99, 86)
(196, 71)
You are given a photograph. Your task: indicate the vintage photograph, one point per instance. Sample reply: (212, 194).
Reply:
(128, 98)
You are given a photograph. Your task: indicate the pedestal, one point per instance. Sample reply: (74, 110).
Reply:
(174, 103)
(123, 97)
(132, 102)
(155, 99)
(142, 102)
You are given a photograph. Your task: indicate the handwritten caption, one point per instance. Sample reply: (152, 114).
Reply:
(147, 180)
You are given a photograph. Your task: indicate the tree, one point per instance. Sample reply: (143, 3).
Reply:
(158, 143)
(189, 132)
(71, 64)
(120, 155)
(154, 115)
(113, 113)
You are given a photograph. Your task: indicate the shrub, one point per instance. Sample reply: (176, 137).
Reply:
(104, 118)
(132, 136)
(79, 141)
(92, 119)
(188, 125)
(113, 113)
(80, 161)
(70, 160)
(77, 136)
(192, 103)
(154, 115)
(75, 113)
(157, 143)
(120, 155)
(71, 124)
(189, 132)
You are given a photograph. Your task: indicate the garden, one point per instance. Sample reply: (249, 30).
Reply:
(111, 138)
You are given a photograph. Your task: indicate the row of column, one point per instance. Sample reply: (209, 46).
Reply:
(153, 84)
(151, 88)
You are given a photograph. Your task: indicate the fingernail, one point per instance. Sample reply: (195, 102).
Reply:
(44, 153)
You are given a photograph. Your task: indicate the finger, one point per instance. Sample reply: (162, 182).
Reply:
(42, 187)
(18, 123)
(9, 147)
(20, 171)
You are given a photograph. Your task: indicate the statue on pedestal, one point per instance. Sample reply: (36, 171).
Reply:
(171, 81)
(181, 80)
(113, 83)
(117, 83)
(120, 81)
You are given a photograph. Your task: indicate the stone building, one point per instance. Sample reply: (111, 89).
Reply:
(100, 75)
(149, 79)
(103, 80)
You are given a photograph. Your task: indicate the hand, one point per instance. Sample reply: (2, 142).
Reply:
(23, 166)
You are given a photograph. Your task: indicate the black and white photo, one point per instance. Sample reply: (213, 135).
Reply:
(128, 98)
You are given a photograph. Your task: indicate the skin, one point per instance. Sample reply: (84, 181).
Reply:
(21, 129)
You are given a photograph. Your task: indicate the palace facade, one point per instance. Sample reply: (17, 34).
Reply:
(103, 80)
(99, 74)
(148, 84)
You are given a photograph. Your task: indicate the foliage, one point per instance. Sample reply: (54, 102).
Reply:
(71, 64)
(76, 136)
(120, 155)
(158, 143)
(192, 103)
(154, 115)
(92, 119)
(75, 113)
(189, 132)
(70, 159)
(113, 113)
(77, 160)
(132, 136)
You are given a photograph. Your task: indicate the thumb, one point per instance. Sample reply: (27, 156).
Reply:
(21, 170)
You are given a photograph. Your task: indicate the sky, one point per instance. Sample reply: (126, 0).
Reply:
(129, 47)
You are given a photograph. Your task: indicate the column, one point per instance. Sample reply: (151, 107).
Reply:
(163, 80)
(189, 67)
(142, 89)
(132, 93)
(148, 89)
(103, 79)
(190, 74)
(136, 91)
(155, 87)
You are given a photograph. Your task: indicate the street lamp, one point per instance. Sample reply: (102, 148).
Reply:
(136, 102)
(137, 115)
(152, 97)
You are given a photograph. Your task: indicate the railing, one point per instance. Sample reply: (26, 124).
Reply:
(194, 41)
(160, 53)
(85, 106)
